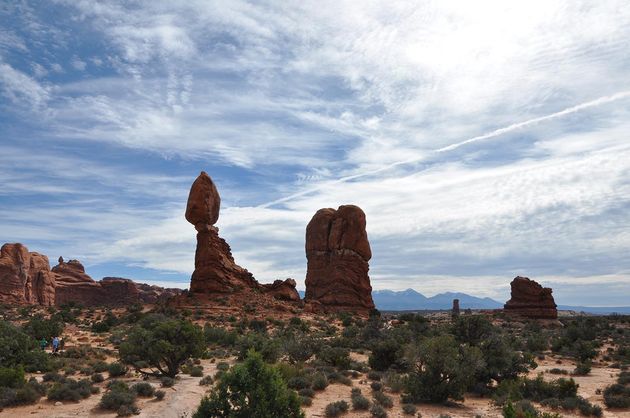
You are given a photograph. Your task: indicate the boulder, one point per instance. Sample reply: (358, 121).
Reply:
(25, 277)
(283, 290)
(530, 300)
(337, 252)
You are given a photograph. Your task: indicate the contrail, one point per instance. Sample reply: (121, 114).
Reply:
(515, 126)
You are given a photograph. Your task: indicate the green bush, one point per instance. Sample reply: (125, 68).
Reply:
(118, 395)
(162, 344)
(383, 400)
(71, 390)
(335, 409)
(377, 411)
(97, 378)
(409, 409)
(12, 377)
(143, 389)
(159, 394)
(116, 369)
(385, 354)
(359, 402)
(38, 327)
(254, 389)
(617, 396)
(442, 369)
(206, 381)
(320, 381)
(338, 357)
(167, 382)
(582, 368)
(196, 371)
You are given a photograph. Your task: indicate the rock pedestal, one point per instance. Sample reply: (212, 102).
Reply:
(338, 251)
(215, 269)
(455, 310)
(531, 300)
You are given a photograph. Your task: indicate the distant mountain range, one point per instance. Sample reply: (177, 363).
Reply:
(410, 300)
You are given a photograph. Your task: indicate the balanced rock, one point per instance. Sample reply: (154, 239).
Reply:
(338, 251)
(531, 300)
(215, 268)
(25, 277)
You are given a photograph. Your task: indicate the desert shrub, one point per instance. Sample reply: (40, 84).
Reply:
(159, 394)
(359, 402)
(118, 395)
(167, 382)
(582, 368)
(116, 369)
(442, 369)
(223, 366)
(268, 348)
(501, 360)
(376, 386)
(163, 344)
(52, 377)
(298, 382)
(472, 329)
(100, 366)
(206, 381)
(558, 371)
(336, 377)
(28, 393)
(383, 400)
(252, 388)
(143, 389)
(219, 336)
(395, 381)
(373, 375)
(37, 361)
(196, 371)
(377, 411)
(15, 345)
(338, 357)
(299, 349)
(97, 378)
(320, 381)
(71, 390)
(409, 409)
(38, 327)
(334, 409)
(308, 392)
(306, 401)
(12, 377)
(385, 354)
(617, 396)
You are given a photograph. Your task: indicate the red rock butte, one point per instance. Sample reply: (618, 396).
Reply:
(531, 300)
(337, 252)
(27, 279)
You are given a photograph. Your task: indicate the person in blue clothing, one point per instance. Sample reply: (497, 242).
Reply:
(43, 343)
(55, 344)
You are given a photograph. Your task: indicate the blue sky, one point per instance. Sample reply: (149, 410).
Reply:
(484, 140)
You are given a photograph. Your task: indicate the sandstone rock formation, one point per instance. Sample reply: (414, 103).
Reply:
(283, 290)
(531, 300)
(338, 251)
(25, 278)
(215, 269)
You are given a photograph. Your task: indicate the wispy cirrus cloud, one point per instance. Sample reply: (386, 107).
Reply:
(482, 140)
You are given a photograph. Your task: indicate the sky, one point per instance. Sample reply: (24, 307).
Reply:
(483, 140)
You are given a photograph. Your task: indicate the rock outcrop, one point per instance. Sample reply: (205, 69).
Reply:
(338, 251)
(215, 268)
(25, 277)
(531, 300)
(283, 290)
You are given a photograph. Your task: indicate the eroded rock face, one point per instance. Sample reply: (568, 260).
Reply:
(215, 268)
(283, 290)
(25, 277)
(531, 300)
(338, 251)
